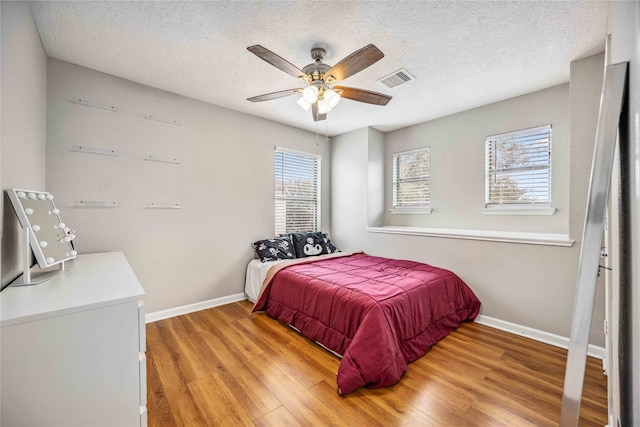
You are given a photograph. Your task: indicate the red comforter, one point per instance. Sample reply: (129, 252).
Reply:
(379, 313)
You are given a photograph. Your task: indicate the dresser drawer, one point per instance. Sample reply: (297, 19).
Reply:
(143, 378)
(142, 328)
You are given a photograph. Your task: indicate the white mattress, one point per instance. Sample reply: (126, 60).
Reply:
(256, 272)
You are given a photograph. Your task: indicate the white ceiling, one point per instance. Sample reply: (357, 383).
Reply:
(464, 54)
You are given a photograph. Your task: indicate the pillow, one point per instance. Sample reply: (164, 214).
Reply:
(275, 248)
(308, 243)
(318, 245)
(328, 244)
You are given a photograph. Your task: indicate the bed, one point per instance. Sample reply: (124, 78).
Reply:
(379, 314)
(256, 273)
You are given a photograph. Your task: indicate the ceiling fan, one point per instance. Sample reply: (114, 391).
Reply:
(320, 94)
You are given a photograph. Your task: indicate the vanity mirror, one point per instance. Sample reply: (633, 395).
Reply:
(43, 233)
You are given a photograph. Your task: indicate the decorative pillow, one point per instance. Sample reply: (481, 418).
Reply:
(329, 245)
(309, 243)
(276, 248)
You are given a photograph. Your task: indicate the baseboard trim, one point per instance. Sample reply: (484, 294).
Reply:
(190, 308)
(538, 335)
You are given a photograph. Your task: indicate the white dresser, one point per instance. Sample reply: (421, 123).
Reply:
(73, 348)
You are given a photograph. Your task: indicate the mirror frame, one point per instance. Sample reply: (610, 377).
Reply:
(43, 258)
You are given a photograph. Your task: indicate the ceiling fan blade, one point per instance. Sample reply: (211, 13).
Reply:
(362, 95)
(274, 95)
(314, 112)
(354, 63)
(276, 61)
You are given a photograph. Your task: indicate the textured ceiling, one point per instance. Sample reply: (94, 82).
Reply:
(463, 54)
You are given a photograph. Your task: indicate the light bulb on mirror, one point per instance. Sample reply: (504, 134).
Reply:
(35, 227)
(28, 211)
(66, 239)
(31, 196)
(72, 253)
(49, 196)
(22, 194)
(60, 225)
(54, 212)
(50, 260)
(43, 244)
(41, 196)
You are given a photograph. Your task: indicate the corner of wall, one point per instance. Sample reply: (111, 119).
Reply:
(375, 181)
(23, 126)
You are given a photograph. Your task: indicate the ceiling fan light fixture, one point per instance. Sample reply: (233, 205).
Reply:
(332, 97)
(304, 104)
(310, 94)
(323, 106)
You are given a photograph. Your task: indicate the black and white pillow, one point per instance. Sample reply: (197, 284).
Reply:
(312, 243)
(331, 248)
(308, 243)
(275, 248)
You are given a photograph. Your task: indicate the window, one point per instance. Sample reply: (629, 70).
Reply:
(297, 191)
(518, 168)
(411, 180)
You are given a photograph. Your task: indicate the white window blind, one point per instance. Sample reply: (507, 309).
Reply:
(297, 191)
(411, 178)
(518, 168)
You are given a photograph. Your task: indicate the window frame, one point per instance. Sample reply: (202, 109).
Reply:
(317, 159)
(396, 180)
(517, 208)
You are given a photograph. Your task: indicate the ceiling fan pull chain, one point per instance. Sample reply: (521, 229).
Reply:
(326, 129)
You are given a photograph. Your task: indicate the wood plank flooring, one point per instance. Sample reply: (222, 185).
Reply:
(223, 367)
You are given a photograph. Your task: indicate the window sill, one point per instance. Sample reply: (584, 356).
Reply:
(410, 211)
(547, 239)
(518, 210)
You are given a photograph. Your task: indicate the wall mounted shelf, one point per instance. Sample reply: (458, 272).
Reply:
(82, 101)
(96, 204)
(94, 150)
(162, 159)
(160, 119)
(160, 205)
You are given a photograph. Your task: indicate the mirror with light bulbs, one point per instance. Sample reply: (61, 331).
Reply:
(43, 230)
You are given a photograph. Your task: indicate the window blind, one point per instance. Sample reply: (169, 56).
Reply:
(518, 167)
(411, 178)
(297, 192)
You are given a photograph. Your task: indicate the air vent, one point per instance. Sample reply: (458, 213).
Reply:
(396, 78)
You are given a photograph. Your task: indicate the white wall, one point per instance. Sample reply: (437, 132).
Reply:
(376, 183)
(457, 163)
(22, 153)
(224, 181)
(529, 285)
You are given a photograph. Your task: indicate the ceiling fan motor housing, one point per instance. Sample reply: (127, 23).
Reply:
(316, 70)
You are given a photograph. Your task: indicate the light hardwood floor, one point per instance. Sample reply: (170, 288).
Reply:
(224, 367)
